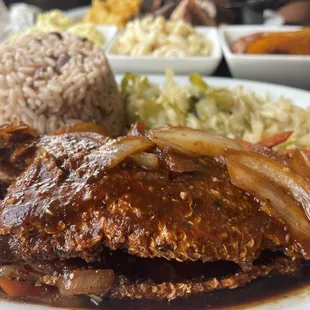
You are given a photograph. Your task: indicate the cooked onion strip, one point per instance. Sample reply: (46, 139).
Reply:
(192, 142)
(83, 127)
(179, 163)
(15, 288)
(145, 160)
(278, 204)
(97, 282)
(291, 182)
(19, 272)
(300, 164)
(115, 151)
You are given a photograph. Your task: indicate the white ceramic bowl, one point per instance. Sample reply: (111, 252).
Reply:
(281, 69)
(78, 13)
(184, 65)
(109, 33)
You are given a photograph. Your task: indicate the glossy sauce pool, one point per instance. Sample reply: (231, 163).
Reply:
(261, 291)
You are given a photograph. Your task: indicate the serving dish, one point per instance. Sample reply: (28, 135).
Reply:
(291, 302)
(109, 32)
(184, 65)
(77, 13)
(282, 69)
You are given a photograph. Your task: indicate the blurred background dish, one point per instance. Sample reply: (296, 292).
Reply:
(198, 12)
(181, 65)
(155, 36)
(291, 70)
(112, 12)
(271, 43)
(58, 21)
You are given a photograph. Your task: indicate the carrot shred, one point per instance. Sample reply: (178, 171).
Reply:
(269, 142)
(276, 139)
(245, 143)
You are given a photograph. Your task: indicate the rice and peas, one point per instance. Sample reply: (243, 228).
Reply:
(50, 79)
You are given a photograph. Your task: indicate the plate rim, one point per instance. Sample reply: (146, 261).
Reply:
(235, 81)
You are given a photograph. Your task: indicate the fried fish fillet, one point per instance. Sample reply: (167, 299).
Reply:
(83, 193)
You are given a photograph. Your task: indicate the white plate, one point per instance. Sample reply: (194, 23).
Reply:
(300, 301)
(283, 69)
(184, 65)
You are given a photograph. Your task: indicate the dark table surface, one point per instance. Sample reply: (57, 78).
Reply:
(223, 69)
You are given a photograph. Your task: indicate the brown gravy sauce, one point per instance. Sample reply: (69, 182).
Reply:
(258, 292)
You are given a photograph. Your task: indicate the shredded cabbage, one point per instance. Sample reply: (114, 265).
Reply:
(233, 112)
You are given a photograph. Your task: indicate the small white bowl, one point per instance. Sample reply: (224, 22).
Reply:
(287, 70)
(78, 13)
(180, 65)
(109, 33)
